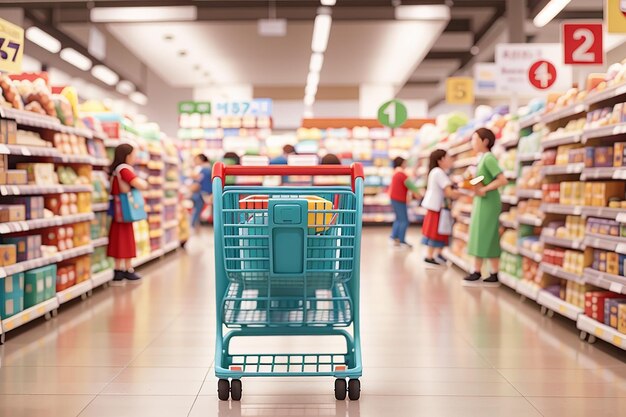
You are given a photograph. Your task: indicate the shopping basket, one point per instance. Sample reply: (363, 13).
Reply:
(287, 264)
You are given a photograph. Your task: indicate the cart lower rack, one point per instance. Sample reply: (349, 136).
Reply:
(287, 264)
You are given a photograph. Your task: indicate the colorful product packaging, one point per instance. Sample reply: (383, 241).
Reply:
(27, 247)
(11, 295)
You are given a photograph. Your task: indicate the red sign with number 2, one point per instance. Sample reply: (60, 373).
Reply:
(582, 43)
(542, 74)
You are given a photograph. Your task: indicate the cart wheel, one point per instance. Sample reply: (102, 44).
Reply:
(235, 389)
(354, 389)
(544, 310)
(583, 335)
(341, 388)
(592, 339)
(223, 389)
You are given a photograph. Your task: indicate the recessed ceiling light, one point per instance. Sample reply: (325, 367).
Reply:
(328, 2)
(549, 12)
(196, 67)
(41, 38)
(143, 14)
(139, 98)
(105, 75)
(75, 58)
(474, 50)
(125, 87)
(182, 52)
(168, 37)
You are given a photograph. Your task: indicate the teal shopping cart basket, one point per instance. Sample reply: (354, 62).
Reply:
(287, 264)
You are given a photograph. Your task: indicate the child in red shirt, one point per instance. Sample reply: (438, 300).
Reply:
(398, 190)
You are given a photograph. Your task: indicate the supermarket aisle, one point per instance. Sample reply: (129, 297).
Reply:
(431, 348)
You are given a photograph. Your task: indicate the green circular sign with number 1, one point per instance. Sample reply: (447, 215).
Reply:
(392, 114)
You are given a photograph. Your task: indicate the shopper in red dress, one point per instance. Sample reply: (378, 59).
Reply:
(121, 235)
(439, 188)
(398, 191)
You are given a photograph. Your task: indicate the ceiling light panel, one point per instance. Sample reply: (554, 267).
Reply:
(125, 87)
(313, 79)
(139, 98)
(317, 61)
(549, 12)
(328, 2)
(321, 32)
(422, 13)
(75, 58)
(105, 75)
(41, 38)
(143, 14)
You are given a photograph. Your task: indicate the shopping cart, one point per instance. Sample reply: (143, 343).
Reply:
(287, 264)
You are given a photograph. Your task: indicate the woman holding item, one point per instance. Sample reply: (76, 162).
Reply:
(439, 188)
(484, 232)
(121, 235)
(398, 190)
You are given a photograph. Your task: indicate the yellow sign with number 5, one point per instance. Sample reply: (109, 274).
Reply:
(460, 90)
(11, 47)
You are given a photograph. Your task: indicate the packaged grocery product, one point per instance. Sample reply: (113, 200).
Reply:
(11, 295)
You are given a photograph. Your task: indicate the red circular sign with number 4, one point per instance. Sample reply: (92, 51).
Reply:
(542, 74)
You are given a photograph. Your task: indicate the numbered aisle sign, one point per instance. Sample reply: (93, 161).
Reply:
(460, 90)
(11, 47)
(542, 74)
(392, 114)
(582, 43)
(615, 16)
(526, 68)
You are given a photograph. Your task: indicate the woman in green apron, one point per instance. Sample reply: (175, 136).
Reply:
(484, 233)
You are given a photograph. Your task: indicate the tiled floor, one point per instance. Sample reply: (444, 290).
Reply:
(431, 348)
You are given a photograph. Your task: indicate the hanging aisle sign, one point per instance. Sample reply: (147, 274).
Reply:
(393, 114)
(11, 47)
(190, 107)
(582, 43)
(257, 107)
(460, 90)
(615, 16)
(529, 68)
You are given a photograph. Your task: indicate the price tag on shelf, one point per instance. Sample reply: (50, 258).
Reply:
(619, 174)
(562, 309)
(25, 151)
(621, 248)
(24, 226)
(598, 332)
(15, 189)
(4, 150)
(615, 287)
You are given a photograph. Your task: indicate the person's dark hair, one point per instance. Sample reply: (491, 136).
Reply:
(202, 157)
(232, 156)
(330, 159)
(486, 135)
(398, 161)
(435, 157)
(121, 153)
(289, 149)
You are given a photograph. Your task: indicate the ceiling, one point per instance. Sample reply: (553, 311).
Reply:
(366, 44)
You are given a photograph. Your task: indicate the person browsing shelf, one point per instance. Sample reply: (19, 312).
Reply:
(398, 191)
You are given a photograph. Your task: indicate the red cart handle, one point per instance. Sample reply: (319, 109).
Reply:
(220, 170)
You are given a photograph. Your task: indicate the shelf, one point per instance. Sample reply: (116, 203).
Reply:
(610, 243)
(112, 143)
(24, 226)
(95, 207)
(171, 224)
(457, 149)
(605, 173)
(459, 262)
(561, 209)
(461, 236)
(75, 291)
(170, 201)
(562, 169)
(509, 199)
(75, 159)
(101, 162)
(102, 277)
(30, 119)
(528, 289)
(30, 314)
(23, 150)
(170, 160)
(508, 280)
(137, 262)
(535, 194)
(529, 120)
(36, 263)
(601, 331)
(603, 212)
(465, 162)
(557, 305)
(562, 242)
(510, 175)
(171, 246)
(529, 220)
(614, 283)
(103, 241)
(43, 189)
(509, 142)
(509, 248)
(559, 272)
(603, 132)
(508, 223)
(529, 157)
(564, 113)
(554, 140)
(608, 94)
(527, 253)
